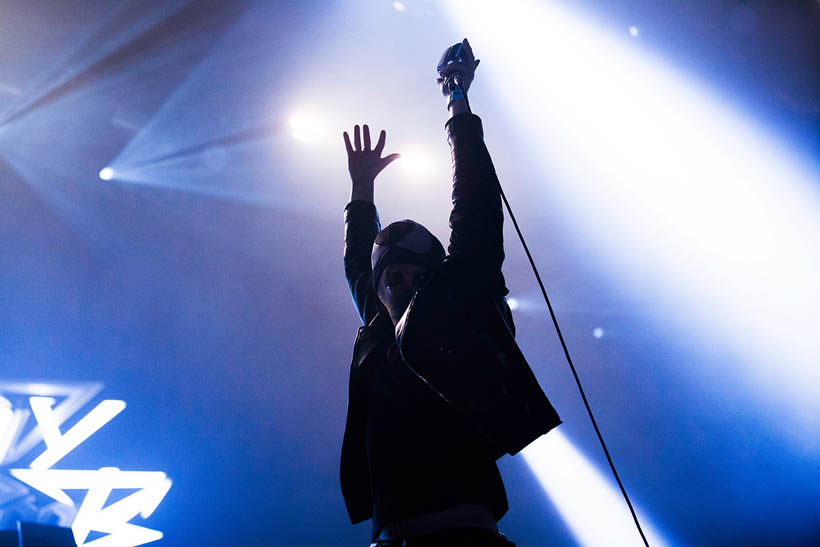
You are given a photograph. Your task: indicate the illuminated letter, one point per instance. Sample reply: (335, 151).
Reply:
(58, 445)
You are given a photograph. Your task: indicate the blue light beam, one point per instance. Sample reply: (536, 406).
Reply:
(589, 502)
(691, 206)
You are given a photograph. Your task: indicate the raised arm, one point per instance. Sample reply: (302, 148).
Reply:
(362, 219)
(476, 220)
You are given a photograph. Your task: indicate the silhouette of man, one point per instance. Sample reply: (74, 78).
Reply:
(438, 387)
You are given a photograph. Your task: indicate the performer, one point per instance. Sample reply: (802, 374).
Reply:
(438, 387)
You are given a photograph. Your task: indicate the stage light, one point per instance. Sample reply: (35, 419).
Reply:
(106, 173)
(307, 127)
(694, 209)
(398, 6)
(512, 303)
(633, 31)
(589, 502)
(416, 163)
(92, 512)
(598, 332)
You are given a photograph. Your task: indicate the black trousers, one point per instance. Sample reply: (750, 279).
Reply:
(456, 537)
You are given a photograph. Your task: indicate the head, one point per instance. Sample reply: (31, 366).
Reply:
(397, 286)
(404, 255)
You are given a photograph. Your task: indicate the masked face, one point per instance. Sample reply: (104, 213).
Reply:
(397, 285)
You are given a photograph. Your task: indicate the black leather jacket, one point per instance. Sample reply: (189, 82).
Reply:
(457, 334)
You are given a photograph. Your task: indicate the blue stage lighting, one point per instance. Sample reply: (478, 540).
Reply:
(691, 207)
(55, 408)
(588, 500)
(106, 173)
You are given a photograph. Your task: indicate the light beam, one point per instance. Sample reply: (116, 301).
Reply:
(589, 502)
(691, 206)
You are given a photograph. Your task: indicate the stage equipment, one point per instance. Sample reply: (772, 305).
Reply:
(453, 81)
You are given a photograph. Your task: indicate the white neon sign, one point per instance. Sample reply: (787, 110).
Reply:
(51, 405)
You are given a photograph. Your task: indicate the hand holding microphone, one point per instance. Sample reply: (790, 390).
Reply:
(456, 70)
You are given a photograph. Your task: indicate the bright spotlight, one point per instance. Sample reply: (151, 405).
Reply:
(633, 31)
(398, 6)
(668, 151)
(512, 303)
(417, 163)
(598, 332)
(589, 502)
(106, 173)
(307, 127)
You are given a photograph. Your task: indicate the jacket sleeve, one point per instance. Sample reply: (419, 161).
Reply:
(361, 227)
(476, 220)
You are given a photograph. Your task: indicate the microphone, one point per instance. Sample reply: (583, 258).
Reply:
(452, 55)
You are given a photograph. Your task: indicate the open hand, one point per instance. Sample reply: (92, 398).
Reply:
(364, 164)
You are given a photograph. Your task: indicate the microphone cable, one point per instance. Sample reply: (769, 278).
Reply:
(454, 81)
(572, 367)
